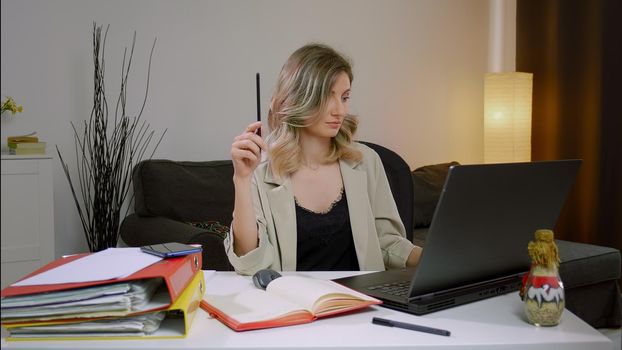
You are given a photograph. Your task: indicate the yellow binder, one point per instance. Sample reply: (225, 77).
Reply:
(176, 323)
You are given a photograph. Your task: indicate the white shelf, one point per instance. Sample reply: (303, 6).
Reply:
(27, 215)
(7, 156)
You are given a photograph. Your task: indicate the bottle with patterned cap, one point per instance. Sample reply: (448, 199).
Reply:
(543, 290)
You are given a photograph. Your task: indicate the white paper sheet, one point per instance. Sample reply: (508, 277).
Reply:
(108, 264)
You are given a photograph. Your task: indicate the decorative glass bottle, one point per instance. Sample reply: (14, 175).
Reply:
(543, 290)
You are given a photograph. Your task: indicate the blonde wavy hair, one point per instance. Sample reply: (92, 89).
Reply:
(302, 93)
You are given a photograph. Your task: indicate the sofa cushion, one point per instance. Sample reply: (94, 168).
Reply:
(137, 231)
(590, 274)
(583, 264)
(185, 191)
(428, 183)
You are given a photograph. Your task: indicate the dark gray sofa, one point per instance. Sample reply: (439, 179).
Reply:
(192, 202)
(170, 195)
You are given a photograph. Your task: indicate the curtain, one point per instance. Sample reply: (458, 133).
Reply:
(573, 48)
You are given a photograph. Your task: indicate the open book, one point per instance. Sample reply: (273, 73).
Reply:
(288, 300)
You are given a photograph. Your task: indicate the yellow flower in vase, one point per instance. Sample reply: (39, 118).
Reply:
(10, 105)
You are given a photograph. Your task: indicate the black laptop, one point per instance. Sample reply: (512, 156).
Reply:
(476, 246)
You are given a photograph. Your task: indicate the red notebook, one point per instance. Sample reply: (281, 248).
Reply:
(175, 272)
(288, 300)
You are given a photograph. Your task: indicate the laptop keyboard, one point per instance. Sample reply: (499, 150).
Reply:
(399, 289)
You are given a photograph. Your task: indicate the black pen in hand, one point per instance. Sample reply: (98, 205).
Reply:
(412, 327)
(258, 131)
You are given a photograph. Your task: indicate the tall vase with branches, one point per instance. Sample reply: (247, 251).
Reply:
(106, 151)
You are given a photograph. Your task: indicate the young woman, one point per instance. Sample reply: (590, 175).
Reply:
(319, 201)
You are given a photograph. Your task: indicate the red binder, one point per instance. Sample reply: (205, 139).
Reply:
(176, 273)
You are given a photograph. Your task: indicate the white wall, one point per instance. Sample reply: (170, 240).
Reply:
(418, 66)
(502, 36)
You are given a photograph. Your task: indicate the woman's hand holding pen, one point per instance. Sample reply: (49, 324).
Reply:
(246, 156)
(246, 151)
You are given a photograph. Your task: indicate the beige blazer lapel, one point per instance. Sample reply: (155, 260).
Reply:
(281, 200)
(355, 184)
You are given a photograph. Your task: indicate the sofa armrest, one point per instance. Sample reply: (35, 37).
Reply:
(138, 231)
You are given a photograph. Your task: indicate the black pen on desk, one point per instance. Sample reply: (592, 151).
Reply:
(258, 102)
(412, 327)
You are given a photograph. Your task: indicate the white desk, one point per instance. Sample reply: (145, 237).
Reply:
(495, 323)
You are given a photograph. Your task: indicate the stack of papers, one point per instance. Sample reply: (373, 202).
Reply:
(117, 299)
(109, 299)
(118, 293)
(108, 264)
(128, 326)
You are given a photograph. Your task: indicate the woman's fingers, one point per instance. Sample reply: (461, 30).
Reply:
(250, 134)
(246, 149)
(239, 154)
(246, 144)
(252, 127)
(258, 140)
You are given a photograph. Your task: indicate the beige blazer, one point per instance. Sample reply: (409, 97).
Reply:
(379, 236)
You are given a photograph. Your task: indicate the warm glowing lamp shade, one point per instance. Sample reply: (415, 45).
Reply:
(507, 117)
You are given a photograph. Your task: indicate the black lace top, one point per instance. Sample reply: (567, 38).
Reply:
(325, 239)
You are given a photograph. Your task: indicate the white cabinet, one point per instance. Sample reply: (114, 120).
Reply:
(27, 215)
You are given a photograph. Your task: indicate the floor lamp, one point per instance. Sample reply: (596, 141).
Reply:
(507, 117)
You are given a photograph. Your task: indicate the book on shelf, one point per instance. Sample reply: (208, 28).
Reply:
(25, 144)
(30, 138)
(288, 300)
(27, 148)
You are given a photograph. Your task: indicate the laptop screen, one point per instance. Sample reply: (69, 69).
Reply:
(485, 217)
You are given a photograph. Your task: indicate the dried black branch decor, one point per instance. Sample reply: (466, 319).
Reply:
(107, 152)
